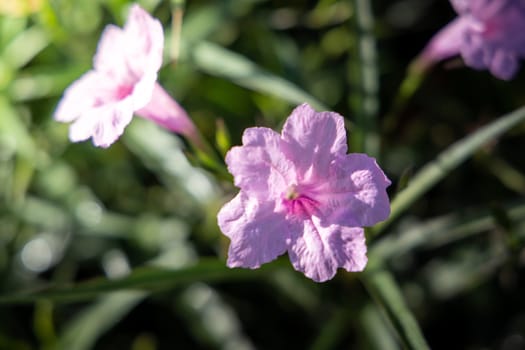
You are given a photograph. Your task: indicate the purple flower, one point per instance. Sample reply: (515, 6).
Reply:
(301, 193)
(102, 102)
(488, 34)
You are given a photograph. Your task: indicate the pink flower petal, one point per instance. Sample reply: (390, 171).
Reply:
(145, 41)
(447, 42)
(105, 125)
(132, 51)
(259, 166)
(349, 248)
(78, 97)
(321, 250)
(258, 234)
(110, 57)
(162, 109)
(487, 9)
(503, 65)
(356, 193)
(475, 52)
(312, 139)
(460, 6)
(84, 127)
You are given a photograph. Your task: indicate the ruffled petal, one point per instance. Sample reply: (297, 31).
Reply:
(504, 65)
(311, 140)
(259, 166)
(110, 57)
(502, 29)
(460, 6)
(321, 250)
(486, 10)
(481, 9)
(355, 194)
(104, 125)
(130, 53)
(349, 248)
(144, 41)
(476, 52)
(140, 92)
(78, 97)
(84, 127)
(258, 234)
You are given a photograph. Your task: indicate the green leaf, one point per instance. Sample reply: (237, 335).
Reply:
(44, 81)
(447, 161)
(25, 46)
(377, 333)
(381, 285)
(332, 331)
(442, 230)
(144, 278)
(508, 175)
(14, 133)
(12, 126)
(201, 23)
(413, 79)
(198, 305)
(465, 271)
(221, 62)
(162, 152)
(89, 325)
(207, 19)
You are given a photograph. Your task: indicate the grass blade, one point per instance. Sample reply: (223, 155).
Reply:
(387, 294)
(377, 333)
(87, 327)
(145, 278)
(443, 230)
(218, 61)
(447, 161)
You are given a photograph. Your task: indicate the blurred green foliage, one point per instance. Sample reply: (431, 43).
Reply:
(119, 249)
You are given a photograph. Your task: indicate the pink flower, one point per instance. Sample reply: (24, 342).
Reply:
(488, 34)
(302, 194)
(102, 102)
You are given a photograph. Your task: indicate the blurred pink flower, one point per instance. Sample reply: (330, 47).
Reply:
(102, 102)
(488, 34)
(300, 192)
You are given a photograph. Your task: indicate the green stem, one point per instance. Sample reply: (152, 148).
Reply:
(414, 77)
(365, 103)
(207, 157)
(177, 12)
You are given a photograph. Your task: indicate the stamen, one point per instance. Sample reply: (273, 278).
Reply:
(299, 204)
(292, 193)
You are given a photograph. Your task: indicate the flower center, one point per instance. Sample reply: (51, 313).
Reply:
(123, 91)
(299, 204)
(292, 193)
